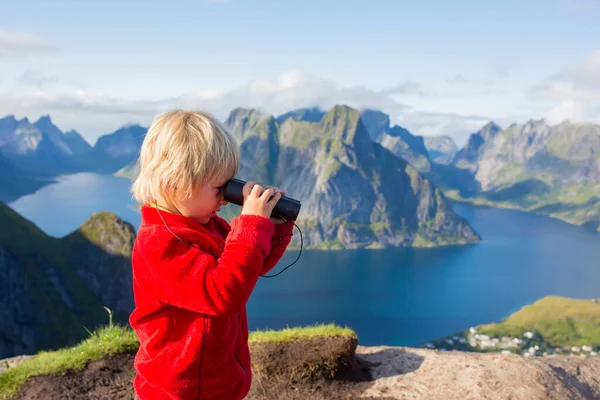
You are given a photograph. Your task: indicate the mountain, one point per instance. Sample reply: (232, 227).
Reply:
(547, 169)
(15, 182)
(303, 114)
(8, 125)
(396, 139)
(53, 289)
(355, 193)
(441, 149)
(39, 149)
(116, 150)
(42, 150)
(76, 142)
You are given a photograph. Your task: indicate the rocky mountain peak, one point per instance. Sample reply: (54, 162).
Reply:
(489, 130)
(110, 233)
(376, 122)
(44, 120)
(344, 123)
(240, 114)
(8, 120)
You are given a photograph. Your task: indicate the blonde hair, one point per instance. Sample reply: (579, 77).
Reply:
(181, 150)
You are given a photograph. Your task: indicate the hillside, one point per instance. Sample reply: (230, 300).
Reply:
(547, 169)
(55, 289)
(552, 325)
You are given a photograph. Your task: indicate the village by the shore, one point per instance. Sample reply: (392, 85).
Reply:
(529, 345)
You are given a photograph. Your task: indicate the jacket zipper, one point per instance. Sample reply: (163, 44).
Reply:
(235, 349)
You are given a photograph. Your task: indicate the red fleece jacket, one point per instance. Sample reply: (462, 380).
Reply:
(190, 302)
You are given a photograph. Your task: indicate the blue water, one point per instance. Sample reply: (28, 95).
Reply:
(392, 296)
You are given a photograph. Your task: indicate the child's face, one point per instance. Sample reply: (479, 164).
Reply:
(205, 202)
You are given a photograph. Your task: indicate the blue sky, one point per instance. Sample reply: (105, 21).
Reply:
(437, 67)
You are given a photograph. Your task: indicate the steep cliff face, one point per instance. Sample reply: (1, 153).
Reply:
(355, 193)
(51, 290)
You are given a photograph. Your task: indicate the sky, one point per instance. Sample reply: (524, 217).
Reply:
(435, 66)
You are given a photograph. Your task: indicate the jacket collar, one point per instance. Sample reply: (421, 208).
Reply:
(215, 228)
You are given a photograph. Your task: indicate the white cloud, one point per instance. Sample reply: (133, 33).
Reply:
(580, 81)
(16, 45)
(94, 113)
(574, 111)
(408, 88)
(457, 79)
(574, 92)
(292, 89)
(36, 78)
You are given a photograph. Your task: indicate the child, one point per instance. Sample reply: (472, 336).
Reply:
(192, 272)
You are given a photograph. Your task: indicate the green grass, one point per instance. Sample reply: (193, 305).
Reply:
(117, 339)
(290, 334)
(105, 341)
(560, 321)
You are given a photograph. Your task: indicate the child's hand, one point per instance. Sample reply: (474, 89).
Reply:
(258, 201)
(276, 220)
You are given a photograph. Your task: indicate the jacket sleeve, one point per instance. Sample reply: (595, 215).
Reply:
(282, 236)
(190, 278)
